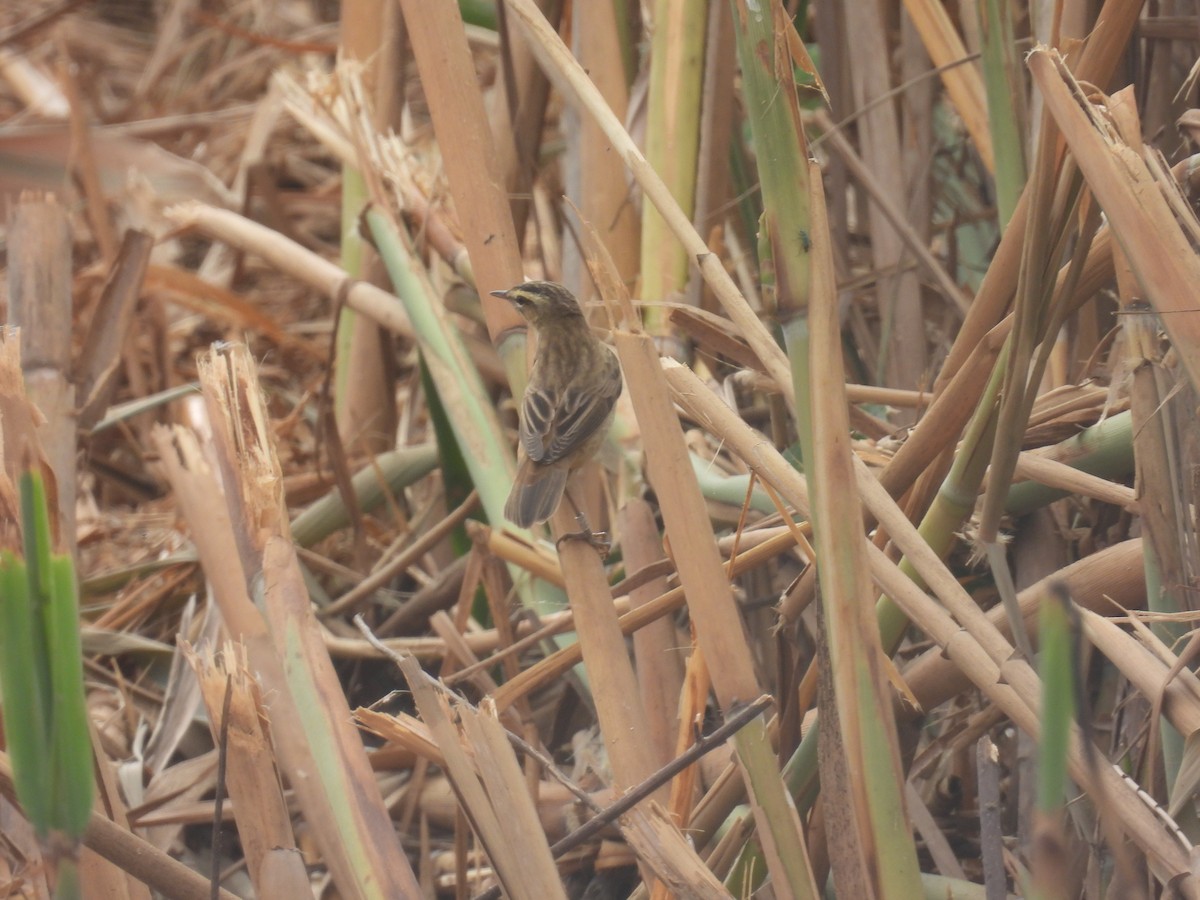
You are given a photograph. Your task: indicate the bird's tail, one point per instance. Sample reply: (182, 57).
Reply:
(536, 493)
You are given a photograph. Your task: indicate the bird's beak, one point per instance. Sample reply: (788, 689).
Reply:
(503, 295)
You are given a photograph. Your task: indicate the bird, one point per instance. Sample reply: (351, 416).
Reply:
(568, 403)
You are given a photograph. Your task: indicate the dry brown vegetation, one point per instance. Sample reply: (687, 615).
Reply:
(948, 364)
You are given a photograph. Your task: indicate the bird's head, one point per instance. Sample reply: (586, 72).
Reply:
(542, 301)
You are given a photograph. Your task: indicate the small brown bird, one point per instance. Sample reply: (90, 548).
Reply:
(568, 404)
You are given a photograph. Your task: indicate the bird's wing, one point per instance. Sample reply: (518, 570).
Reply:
(554, 423)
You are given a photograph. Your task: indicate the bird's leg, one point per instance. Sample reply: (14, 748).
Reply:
(598, 539)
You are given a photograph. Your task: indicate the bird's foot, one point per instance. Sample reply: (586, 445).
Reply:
(597, 539)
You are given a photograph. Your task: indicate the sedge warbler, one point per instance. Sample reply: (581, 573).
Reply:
(568, 404)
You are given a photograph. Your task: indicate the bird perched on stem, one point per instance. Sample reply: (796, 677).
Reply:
(568, 404)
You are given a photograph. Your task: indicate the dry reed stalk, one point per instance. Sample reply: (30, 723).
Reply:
(697, 683)
(307, 707)
(959, 74)
(362, 382)
(534, 558)
(85, 166)
(97, 367)
(718, 119)
(1039, 468)
(604, 193)
(872, 855)
(35, 87)
(490, 794)
(901, 360)
(1160, 399)
(957, 394)
(672, 143)
(528, 86)
(404, 732)
(252, 781)
(389, 568)
(459, 655)
(935, 839)
(467, 148)
(610, 674)
(659, 844)
(39, 303)
(295, 260)
(190, 470)
(925, 453)
(656, 648)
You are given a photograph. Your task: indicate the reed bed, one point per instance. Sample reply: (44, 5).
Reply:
(902, 572)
